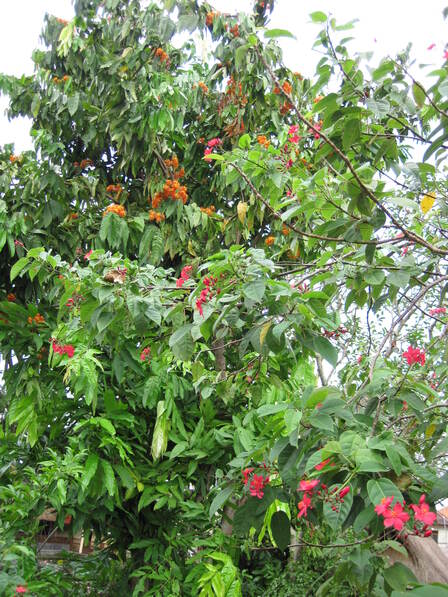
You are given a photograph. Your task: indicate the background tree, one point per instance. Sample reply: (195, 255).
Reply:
(218, 266)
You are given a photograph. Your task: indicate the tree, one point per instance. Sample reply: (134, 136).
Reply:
(222, 320)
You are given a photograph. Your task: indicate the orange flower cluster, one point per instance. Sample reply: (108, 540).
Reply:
(286, 88)
(38, 319)
(14, 158)
(298, 75)
(64, 79)
(317, 99)
(209, 211)
(155, 216)
(203, 86)
(62, 21)
(119, 210)
(73, 216)
(285, 108)
(114, 188)
(263, 140)
(174, 165)
(211, 17)
(162, 56)
(83, 163)
(270, 240)
(11, 297)
(286, 230)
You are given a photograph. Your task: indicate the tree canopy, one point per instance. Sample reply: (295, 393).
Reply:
(222, 316)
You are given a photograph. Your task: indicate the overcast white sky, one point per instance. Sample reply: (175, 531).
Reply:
(385, 26)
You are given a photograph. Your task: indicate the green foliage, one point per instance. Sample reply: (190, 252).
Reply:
(171, 377)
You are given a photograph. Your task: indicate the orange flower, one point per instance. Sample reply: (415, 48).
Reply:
(39, 319)
(156, 216)
(270, 240)
(73, 216)
(263, 140)
(162, 55)
(209, 211)
(65, 78)
(11, 297)
(56, 80)
(235, 31)
(112, 188)
(14, 158)
(317, 99)
(211, 17)
(287, 87)
(157, 200)
(119, 210)
(285, 108)
(286, 230)
(203, 86)
(62, 21)
(298, 75)
(277, 90)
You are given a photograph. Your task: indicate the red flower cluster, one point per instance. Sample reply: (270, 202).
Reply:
(145, 354)
(397, 517)
(74, 301)
(257, 484)
(305, 502)
(206, 293)
(210, 145)
(293, 136)
(414, 355)
(184, 276)
(438, 311)
(333, 497)
(67, 349)
(21, 589)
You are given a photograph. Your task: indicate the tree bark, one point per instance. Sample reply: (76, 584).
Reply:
(425, 558)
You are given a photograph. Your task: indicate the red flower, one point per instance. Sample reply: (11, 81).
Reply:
(21, 589)
(293, 129)
(324, 463)
(207, 151)
(87, 255)
(414, 355)
(308, 486)
(382, 507)
(445, 55)
(344, 492)
(303, 506)
(246, 473)
(69, 350)
(430, 47)
(360, 358)
(256, 486)
(405, 405)
(18, 243)
(214, 142)
(395, 517)
(184, 275)
(145, 354)
(423, 513)
(437, 311)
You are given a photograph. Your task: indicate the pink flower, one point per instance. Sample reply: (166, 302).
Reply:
(207, 151)
(214, 142)
(246, 473)
(324, 463)
(395, 517)
(382, 507)
(69, 350)
(87, 255)
(308, 485)
(293, 129)
(360, 358)
(438, 311)
(289, 164)
(431, 47)
(344, 492)
(256, 486)
(21, 589)
(145, 354)
(414, 355)
(445, 55)
(423, 513)
(303, 506)
(180, 282)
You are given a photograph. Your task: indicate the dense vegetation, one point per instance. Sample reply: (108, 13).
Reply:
(222, 319)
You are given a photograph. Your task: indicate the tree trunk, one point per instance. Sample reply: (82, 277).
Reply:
(425, 558)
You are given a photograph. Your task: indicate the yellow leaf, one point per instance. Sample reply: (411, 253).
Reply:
(140, 486)
(264, 331)
(241, 209)
(429, 431)
(191, 249)
(427, 202)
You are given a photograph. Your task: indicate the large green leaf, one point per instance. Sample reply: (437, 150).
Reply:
(182, 344)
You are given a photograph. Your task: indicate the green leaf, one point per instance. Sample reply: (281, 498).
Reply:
(255, 290)
(378, 489)
(244, 141)
(368, 461)
(281, 529)
(160, 434)
(272, 409)
(399, 576)
(182, 344)
(325, 348)
(318, 17)
(108, 477)
(419, 95)
(352, 133)
(335, 518)
(146, 498)
(73, 103)
(89, 470)
(274, 33)
(220, 499)
(363, 518)
(18, 267)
